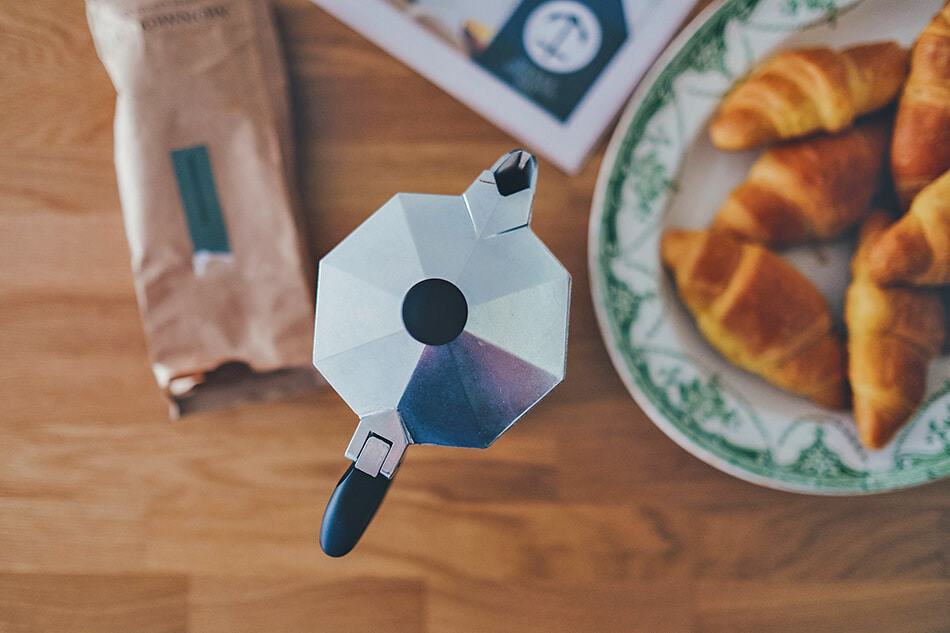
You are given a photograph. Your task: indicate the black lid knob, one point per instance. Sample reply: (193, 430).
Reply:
(434, 311)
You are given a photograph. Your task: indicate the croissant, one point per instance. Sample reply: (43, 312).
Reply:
(758, 311)
(916, 250)
(920, 151)
(893, 333)
(805, 90)
(813, 188)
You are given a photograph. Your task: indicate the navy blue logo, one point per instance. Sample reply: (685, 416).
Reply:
(552, 51)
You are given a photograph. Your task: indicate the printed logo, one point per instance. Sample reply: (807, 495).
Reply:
(562, 36)
(552, 51)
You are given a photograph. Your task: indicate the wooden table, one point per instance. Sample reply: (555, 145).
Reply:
(584, 518)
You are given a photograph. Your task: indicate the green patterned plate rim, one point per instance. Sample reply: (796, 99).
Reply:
(736, 423)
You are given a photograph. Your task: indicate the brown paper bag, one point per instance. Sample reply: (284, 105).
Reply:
(203, 157)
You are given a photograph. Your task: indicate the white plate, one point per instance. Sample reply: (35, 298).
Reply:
(661, 170)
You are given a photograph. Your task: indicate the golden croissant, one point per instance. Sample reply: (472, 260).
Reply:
(893, 333)
(758, 311)
(916, 250)
(920, 151)
(813, 188)
(806, 90)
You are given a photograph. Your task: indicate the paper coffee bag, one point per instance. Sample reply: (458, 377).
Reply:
(203, 156)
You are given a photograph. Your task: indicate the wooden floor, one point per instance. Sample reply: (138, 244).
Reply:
(584, 518)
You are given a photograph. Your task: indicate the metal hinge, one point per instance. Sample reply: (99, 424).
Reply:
(378, 444)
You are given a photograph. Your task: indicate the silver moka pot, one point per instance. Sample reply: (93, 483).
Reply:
(440, 320)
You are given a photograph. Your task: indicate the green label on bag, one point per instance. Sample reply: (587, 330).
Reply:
(199, 197)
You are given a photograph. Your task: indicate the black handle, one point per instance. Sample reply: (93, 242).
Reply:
(350, 509)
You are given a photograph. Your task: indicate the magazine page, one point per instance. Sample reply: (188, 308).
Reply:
(552, 73)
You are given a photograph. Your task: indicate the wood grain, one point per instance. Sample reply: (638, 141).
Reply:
(584, 518)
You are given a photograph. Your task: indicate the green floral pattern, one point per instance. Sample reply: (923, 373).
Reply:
(711, 51)
(650, 181)
(821, 462)
(792, 7)
(690, 403)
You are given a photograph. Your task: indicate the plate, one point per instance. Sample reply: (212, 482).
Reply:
(660, 170)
